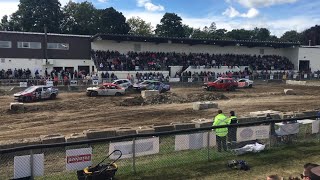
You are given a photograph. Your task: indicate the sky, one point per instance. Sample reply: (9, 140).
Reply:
(278, 16)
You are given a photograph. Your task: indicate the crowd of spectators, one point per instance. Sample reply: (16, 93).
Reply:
(115, 61)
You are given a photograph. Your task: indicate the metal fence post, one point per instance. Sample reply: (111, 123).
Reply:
(208, 146)
(134, 155)
(31, 164)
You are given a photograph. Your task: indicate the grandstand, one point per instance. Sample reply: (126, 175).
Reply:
(125, 55)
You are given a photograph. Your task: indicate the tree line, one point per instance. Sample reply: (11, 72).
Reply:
(84, 19)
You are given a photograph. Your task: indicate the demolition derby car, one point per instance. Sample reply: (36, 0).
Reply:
(107, 89)
(228, 84)
(125, 83)
(245, 83)
(151, 85)
(35, 93)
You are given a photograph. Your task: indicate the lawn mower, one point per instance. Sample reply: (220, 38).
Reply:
(100, 171)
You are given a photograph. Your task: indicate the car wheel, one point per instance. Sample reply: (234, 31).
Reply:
(94, 93)
(118, 94)
(27, 99)
(250, 86)
(53, 96)
(210, 88)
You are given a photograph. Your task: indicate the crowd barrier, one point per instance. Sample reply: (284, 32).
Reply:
(153, 151)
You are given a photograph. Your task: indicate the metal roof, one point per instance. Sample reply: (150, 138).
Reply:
(49, 34)
(193, 41)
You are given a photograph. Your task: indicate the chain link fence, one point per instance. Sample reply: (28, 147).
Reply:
(154, 155)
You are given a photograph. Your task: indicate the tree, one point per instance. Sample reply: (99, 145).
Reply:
(291, 36)
(220, 34)
(79, 18)
(312, 34)
(112, 22)
(261, 34)
(34, 14)
(240, 34)
(4, 26)
(170, 26)
(139, 26)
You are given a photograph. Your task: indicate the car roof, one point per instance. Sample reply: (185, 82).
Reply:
(109, 84)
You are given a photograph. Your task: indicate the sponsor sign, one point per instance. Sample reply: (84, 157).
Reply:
(73, 83)
(305, 76)
(174, 80)
(142, 147)
(194, 141)
(253, 133)
(95, 82)
(49, 83)
(189, 79)
(315, 126)
(23, 84)
(22, 166)
(315, 75)
(78, 159)
(271, 76)
(287, 129)
(294, 76)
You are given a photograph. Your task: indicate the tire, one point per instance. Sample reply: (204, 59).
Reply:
(27, 99)
(118, 94)
(250, 86)
(232, 88)
(210, 88)
(53, 96)
(94, 93)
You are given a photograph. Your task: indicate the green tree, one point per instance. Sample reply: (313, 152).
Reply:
(139, 26)
(170, 26)
(34, 14)
(112, 22)
(291, 36)
(240, 34)
(79, 18)
(4, 25)
(261, 34)
(220, 34)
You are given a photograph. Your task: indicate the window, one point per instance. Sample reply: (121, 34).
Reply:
(59, 46)
(5, 44)
(29, 45)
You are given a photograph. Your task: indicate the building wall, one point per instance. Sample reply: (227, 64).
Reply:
(124, 47)
(38, 64)
(312, 54)
(79, 46)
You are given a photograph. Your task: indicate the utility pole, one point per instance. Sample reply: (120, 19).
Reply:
(45, 44)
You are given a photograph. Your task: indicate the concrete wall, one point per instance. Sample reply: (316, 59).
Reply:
(312, 54)
(124, 47)
(124, 74)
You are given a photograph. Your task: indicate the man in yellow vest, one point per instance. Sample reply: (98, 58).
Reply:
(232, 131)
(221, 133)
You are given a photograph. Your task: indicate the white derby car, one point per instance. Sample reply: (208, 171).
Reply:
(125, 83)
(107, 89)
(242, 83)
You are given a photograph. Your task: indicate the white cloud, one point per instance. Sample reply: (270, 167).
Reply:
(103, 1)
(262, 3)
(149, 6)
(232, 12)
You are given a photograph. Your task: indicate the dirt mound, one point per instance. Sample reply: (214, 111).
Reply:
(170, 98)
(205, 96)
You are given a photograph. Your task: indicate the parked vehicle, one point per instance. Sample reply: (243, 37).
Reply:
(125, 83)
(228, 84)
(107, 89)
(152, 85)
(245, 83)
(35, 93)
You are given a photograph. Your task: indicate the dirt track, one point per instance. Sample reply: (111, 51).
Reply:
(75, 112)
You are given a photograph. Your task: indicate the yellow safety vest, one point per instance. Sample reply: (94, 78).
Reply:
(220, 120)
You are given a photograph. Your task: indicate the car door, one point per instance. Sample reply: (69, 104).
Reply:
(45, 93)
(102, 91)
(112, 90)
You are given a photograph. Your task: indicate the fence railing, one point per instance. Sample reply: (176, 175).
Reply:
(149, 153)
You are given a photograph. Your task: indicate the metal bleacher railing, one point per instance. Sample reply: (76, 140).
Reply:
(151, 153)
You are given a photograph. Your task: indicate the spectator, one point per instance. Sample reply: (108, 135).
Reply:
(274, 177)
(306, 175)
